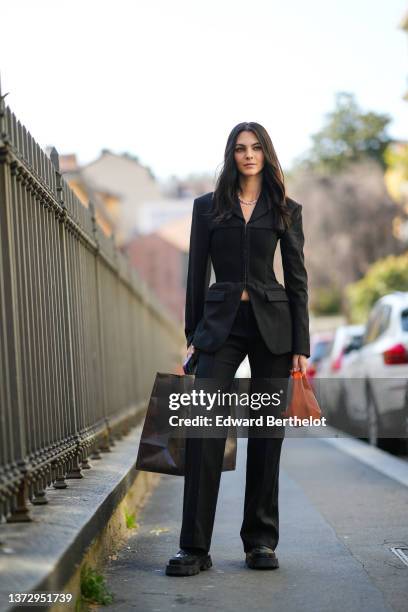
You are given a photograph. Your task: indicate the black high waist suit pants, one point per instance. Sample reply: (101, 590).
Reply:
(204, 456)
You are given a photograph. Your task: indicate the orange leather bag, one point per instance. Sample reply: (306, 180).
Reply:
(303, 402)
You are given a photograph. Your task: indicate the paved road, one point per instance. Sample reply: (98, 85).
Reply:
(339, 518)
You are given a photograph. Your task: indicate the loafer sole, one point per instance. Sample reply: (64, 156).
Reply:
(263, 563)
(184, 569)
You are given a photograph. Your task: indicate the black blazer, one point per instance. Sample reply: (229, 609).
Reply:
(242, 255)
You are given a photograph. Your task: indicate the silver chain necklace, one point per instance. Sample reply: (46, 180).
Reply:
(251, 203)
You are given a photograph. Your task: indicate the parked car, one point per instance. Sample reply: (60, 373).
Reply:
(373, 396)
(344, 337)
(330, 373)
(320, 345)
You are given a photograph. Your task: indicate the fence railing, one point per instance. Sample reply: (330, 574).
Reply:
(81, 336)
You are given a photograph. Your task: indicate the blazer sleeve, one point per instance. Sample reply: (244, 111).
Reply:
(199, 271)
(296, 281)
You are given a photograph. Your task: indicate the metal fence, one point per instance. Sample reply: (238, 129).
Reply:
(81, 336)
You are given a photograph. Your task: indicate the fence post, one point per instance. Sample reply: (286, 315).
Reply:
(19, 468)
(74, 469)
(108, 441)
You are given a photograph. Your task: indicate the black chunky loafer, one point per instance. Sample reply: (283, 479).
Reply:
(186, 563)
(261, 557)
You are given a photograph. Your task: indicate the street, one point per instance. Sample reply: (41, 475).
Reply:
(339, 519)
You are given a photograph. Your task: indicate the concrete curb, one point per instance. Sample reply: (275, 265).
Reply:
(380, 460)
(81, 524)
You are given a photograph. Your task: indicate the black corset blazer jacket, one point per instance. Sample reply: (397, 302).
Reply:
(242, 255)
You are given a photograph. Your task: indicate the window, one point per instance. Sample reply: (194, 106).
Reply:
(321, 349)
(404, 320)
(385, 319)
(377, 323)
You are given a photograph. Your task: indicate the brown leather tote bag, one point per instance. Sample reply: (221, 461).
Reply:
(158, 450)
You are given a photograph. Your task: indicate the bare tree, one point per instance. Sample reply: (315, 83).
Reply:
(348, 221)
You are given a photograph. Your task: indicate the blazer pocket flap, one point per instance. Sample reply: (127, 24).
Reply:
(276, 295)
(215, 296)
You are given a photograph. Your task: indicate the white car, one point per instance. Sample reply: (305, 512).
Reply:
(328, 382)
(375, 376)
(320, 345)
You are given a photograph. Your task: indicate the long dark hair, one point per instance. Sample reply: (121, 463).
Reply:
(273, 180)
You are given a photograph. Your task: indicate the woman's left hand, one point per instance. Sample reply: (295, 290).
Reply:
(299, 363)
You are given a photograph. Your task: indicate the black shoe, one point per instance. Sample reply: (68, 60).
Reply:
(261, 557)
(186, 563)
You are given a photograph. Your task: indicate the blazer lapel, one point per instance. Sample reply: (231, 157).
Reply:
(261, 208)
(236, 209)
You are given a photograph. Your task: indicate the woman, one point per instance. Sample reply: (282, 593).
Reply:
(245, 312)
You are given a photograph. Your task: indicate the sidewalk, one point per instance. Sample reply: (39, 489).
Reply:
(339, 517)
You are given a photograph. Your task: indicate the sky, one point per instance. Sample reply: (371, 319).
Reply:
(167, 80)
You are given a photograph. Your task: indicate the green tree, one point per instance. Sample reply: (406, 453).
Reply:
(326, 300)
(397, 157)
(348, 136)
(384, 276)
